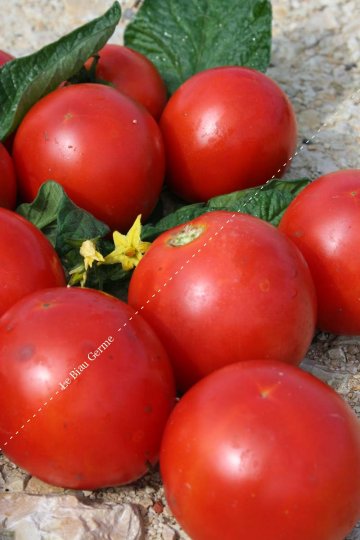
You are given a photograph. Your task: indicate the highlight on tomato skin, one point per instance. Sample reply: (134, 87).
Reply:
(248, 293)
(262, 450)
(133, 74)
(323, 221)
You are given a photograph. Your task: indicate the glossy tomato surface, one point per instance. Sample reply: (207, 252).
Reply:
(7, 180)
(95, 383)
(223, 288)
(103, 148)
(226, 129)
(28, 260)
(262, 450)
(134, 75)
(324, 222)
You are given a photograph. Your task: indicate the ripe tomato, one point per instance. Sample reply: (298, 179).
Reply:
(7, 180)
(28, 260)
(324, 222)
(103, 148)
(247, 294)
(262, 450)
(133, 74)
(95, 382)
(226, 129)
(5, 57)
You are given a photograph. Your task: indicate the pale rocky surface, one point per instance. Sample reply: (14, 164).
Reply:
(35, 517)
(316, 60)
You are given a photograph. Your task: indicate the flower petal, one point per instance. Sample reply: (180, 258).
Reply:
(120, 240)
(133, 236)
(88, 251)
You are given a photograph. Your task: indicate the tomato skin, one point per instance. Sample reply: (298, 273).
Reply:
(28, 260)
(133, 74)
(226, 129)
(7, 180)
(5, 57)
(104, 149)
(324, 222)
(105, 426)
(262, 450)
(246, 294)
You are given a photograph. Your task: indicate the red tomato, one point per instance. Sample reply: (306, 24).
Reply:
(7, 180)
(28, 260)
(133, 74)
(324, 222)
(262, 450)
(247, 294)
(226, 129)
(5, 57)
(94, 381)
(104, 149)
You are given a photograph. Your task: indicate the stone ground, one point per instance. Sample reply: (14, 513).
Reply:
(315, 58)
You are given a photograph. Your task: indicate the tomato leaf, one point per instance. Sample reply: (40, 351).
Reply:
(25, 80)
(182, 40)
(111, 279)
(267, 202)
(63, 223)
(67, 226)
(181, 215)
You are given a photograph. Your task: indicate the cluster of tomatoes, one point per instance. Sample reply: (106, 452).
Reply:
(221, 310)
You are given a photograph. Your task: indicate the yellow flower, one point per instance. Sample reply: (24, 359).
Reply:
(79, 273)
(129, 249)
(88, 251)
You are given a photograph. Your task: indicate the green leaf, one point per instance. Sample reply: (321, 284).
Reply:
(268, 202)
(183, 38)
(111, 279)
(181, 215)
(67, 226)
(25, 80)
(63, 223)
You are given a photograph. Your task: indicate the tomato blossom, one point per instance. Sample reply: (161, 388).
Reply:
(88, 251)
(129, 249)
(90, 254)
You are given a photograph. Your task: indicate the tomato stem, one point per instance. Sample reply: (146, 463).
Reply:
(187, 234)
